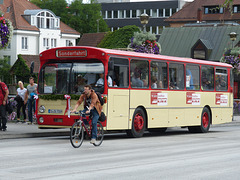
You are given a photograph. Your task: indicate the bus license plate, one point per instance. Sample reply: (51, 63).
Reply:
(54, 111)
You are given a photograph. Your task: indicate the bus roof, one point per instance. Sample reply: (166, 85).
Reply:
(130, 54)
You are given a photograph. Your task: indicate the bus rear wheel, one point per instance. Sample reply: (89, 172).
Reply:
(138, 124)
(205, 122)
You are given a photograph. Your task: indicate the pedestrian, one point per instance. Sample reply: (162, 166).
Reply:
(29, 98)
(3, 101)
(21, 91)
(92, 106)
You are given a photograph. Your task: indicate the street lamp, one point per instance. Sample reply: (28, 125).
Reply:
(233, 37)
(144, 18)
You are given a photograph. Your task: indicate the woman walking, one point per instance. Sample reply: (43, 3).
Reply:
(20, 101)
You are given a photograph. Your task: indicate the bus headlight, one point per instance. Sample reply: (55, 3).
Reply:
(41, 120)
(42, 109)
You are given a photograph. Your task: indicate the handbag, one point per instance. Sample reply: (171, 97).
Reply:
(9, 107)
(102, 117)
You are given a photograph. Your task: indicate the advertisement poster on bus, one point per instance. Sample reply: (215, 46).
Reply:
(159, 98)
(193, 98)
(221, 99)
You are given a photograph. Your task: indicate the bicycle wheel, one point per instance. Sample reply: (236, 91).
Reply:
(77, 134)
(100, 134)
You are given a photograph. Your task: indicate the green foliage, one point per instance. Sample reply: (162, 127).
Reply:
(57, 97)
(21, 70)
(4, 71)
(119, 38)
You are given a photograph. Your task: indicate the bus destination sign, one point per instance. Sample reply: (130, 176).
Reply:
(71, 53)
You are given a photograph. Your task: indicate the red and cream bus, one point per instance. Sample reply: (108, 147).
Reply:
(141, 91)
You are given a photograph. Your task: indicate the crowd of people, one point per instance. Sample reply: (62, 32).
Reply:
(24, 98)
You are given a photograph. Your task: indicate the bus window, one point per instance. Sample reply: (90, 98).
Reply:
(87, 73)
(221, 78)
(192, 77)
(158, 75)
(118, 73)
(54, 78)
(176, 76)
(139, 73)
(207, 78)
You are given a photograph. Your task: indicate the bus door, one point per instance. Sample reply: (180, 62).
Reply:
(118, 94)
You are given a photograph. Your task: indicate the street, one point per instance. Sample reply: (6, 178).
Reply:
(175, 155)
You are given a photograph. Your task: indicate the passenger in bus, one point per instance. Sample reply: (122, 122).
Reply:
(80, 84)
(189, 80)
(160, 85)
(136, 81)
(154, 82)
(205, 84)
(221, 84)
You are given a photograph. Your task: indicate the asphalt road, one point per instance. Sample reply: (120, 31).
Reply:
(175, 155)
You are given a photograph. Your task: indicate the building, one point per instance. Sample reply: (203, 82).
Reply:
(118, 15)
(35, 29)
(208, 11)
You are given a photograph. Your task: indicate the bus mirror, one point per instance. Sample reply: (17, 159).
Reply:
(32, 67)
(110, 65)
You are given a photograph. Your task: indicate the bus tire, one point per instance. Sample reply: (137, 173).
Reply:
(205, 122)
(138, 124)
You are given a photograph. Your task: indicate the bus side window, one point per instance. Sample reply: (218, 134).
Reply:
(207, 78)
(139, 73)
(158, 75)
(176, 76)
(221, 78)
(118, 71)
(192, 77)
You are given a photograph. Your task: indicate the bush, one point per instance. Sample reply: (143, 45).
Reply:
(119, 38)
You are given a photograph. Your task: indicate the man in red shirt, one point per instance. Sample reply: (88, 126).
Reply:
(3, 101)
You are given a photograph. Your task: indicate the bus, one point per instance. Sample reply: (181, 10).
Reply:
(141, 91)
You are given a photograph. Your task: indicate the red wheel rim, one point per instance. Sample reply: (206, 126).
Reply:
(205, 120)
(138, 122)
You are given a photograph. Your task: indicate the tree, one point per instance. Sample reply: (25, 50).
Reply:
(119, 38)
(4, 71)
(21, 70)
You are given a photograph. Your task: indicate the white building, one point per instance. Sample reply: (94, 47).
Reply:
(35, 29)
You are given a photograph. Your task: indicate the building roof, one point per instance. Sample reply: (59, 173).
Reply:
(15, 15)
(179, 41)
(189, 12)
(91, 39)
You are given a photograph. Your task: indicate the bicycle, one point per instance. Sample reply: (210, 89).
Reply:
(78, 129)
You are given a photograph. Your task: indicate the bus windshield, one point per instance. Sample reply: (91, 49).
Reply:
(63, 78)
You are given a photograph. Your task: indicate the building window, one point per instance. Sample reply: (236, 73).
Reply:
(154, 13)
(174, 10)
(115, 14)
(121, 14)
(53, 43)
(236, 9)
(148, 12)
(109, 14)
(134, 13)
(24, 43)
(160, 13)
(167, 12)
(45, 42)
(47, 21)
(69, 43)
(128, 14)
(213, 10)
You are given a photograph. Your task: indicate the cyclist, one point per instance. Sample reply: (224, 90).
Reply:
(91, 100)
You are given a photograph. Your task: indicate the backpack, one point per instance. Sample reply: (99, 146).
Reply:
(100, 98)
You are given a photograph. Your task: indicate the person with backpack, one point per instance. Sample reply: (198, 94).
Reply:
(3, 102)
(92, 106)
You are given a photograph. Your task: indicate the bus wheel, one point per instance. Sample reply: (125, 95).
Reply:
(138, 124)
(205, 122)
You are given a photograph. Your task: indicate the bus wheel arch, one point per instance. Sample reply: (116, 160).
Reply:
(206, 121)
(139, 122)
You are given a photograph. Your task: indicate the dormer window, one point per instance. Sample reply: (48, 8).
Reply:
(213, 10)
(42, 18)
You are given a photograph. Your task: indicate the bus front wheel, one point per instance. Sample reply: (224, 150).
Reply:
(138, 124)
(205, 122)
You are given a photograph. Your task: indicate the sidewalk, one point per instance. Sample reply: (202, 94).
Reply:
(20, 130)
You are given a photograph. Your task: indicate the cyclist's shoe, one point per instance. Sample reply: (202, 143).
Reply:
(93, 141)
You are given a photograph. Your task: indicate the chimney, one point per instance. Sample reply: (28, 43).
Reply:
(199, 15)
